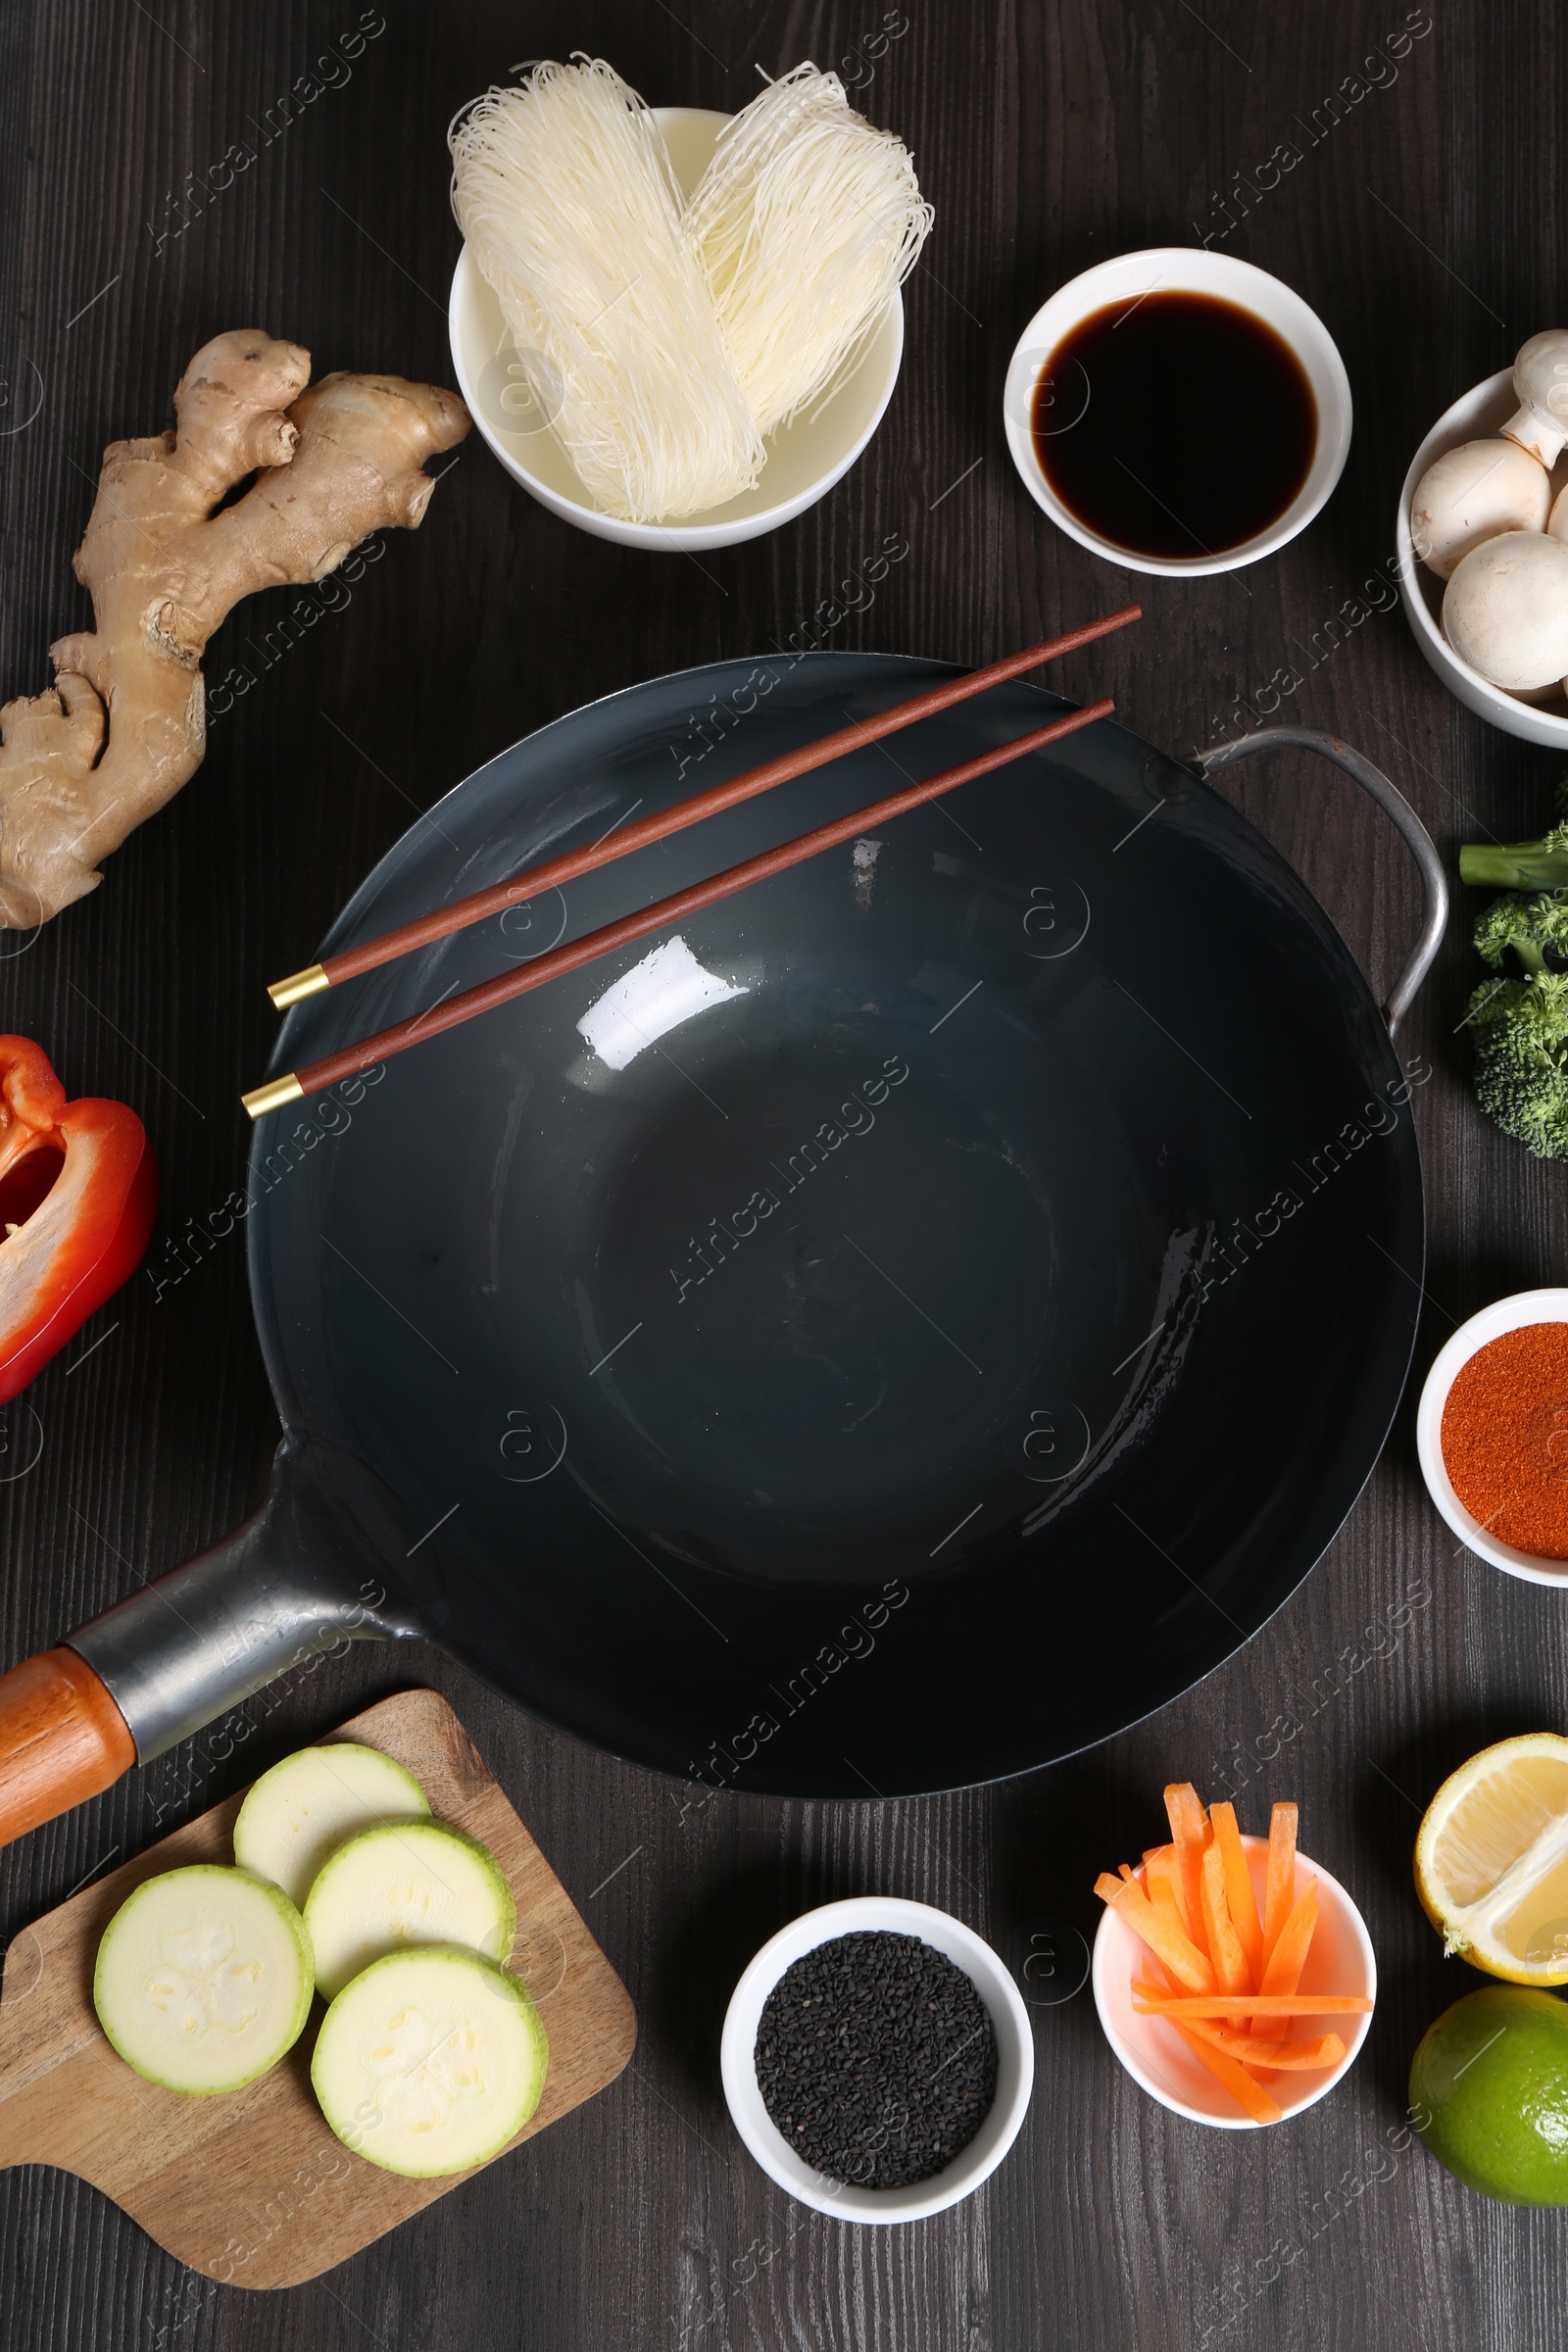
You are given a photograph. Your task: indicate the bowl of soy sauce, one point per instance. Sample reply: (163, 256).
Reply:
(1178, 410)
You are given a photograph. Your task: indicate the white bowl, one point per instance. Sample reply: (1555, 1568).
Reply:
(1341, 1960)
(1475, 416)
(1504, 1314)
(1183, 270)
(804, 459)
(1016, 2059)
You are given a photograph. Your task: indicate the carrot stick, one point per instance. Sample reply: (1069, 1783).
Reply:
(1167, 1913)
(1162, 1867)
(1160, 1930)
(1239, 1897)
(1153, 2000)
(1189, 1825)
(1224, 1944)
(1248, 2094)
(1283, 1973)
(1163, 1880)
(1279, 1898)
(1247, 2049)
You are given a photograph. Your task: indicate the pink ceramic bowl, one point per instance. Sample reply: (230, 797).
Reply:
(1341, 1960)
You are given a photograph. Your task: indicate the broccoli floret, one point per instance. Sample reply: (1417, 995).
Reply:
(1535, 928)
(1520, 1026)
(1521, 1032)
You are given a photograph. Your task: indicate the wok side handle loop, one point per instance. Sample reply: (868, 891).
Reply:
(1392, 803)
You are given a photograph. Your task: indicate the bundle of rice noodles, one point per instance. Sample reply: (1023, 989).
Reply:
(806, 222)
(563, 188)
(666, 340)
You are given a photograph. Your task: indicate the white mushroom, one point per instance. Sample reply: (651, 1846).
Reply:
(1505, 610)
(1540, 386)
(1472, 493)
(1559, 523)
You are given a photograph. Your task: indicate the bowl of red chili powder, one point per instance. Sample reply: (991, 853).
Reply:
(1492, 1435)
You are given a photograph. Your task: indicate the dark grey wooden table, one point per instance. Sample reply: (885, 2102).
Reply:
(1425, 221)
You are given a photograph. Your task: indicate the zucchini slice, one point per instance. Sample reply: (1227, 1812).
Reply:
(405, 1883)
(304, 1808)
(204, 1978)
(429, 2061)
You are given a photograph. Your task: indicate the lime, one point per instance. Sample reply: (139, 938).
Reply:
(1488, 2092)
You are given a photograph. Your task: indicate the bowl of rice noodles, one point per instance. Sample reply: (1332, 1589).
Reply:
(676, 329)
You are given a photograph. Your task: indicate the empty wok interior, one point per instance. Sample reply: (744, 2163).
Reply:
(904, 1333)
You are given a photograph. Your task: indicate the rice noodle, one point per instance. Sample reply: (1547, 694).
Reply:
(806, 223)
(564, 191)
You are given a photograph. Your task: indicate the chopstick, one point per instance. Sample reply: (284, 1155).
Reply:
(622, 841)
(452, 1011)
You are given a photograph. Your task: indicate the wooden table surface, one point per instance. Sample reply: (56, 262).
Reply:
(1423, 216)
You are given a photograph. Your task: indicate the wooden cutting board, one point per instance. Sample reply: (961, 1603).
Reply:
(250, 2187)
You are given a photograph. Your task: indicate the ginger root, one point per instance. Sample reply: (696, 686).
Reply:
(124, 725)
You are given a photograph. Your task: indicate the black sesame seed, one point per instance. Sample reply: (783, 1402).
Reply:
(876, 2058)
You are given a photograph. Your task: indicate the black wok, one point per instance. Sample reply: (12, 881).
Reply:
(922, 1359)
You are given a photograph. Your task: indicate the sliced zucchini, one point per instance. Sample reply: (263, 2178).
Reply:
(303, 1809)
(405, 1883)
(204, 1978)
(429, 2061)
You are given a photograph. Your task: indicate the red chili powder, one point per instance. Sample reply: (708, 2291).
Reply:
(1506, 1439)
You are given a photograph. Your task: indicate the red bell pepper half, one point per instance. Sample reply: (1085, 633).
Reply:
(78, 1192)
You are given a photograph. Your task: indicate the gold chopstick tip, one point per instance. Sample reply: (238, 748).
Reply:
(273, 1095)
(298, 985)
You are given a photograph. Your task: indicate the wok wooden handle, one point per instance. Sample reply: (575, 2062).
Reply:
(62, 1738)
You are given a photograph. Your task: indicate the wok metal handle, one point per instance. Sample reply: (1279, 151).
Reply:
(186, 1648)
(286, 1585)
(1389, 799)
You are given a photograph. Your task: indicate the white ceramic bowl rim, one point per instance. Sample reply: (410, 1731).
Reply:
(1504, 1314)
(1111, 1941)
(1185, 269)
(1015, 2058)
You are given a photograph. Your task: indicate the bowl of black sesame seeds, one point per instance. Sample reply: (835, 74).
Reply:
(877, 2059)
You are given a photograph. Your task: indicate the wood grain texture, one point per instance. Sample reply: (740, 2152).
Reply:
(1428, 229)
(62, 1739)
(251, 2187)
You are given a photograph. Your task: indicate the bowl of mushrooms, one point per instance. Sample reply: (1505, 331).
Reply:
(1483, 545)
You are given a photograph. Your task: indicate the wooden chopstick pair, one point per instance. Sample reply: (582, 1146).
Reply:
(534, 880)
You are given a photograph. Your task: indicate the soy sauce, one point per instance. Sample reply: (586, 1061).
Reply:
(1176, 425)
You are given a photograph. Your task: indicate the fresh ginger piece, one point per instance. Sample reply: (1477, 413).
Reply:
(1278, 1893)
(1224, 1944)
(124, 725)
(1189, 1825)
(1249, 2096)
(1240, 1901)
(1158, 1926)
(1288, 1958)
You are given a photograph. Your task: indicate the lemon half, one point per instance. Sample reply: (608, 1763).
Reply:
(1491, 1860)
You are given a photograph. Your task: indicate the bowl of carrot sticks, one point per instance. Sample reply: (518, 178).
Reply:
(1235, 1977)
